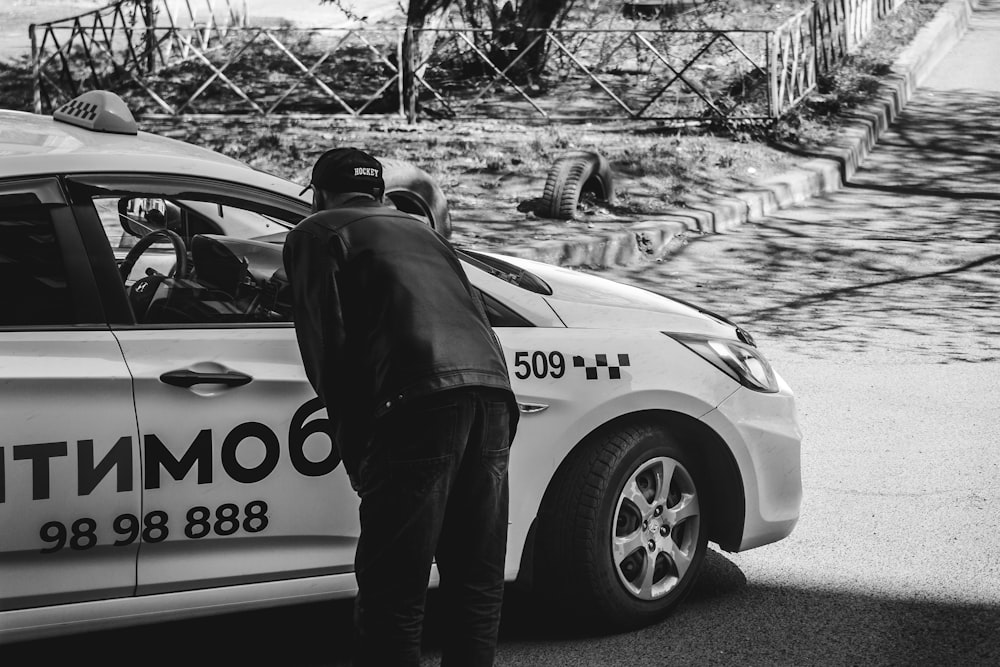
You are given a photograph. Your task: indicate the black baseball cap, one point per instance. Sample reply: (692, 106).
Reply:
(347, 170)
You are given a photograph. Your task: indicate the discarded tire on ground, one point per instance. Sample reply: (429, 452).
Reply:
(572, 175)
(412, 190)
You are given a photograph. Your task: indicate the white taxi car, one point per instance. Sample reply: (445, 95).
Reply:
(163, 456)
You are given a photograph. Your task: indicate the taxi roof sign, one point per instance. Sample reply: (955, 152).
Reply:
(98, 110)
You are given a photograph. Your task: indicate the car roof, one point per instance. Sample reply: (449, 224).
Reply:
(34, 145)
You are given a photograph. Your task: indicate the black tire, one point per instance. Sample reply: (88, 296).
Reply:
(412, 190)
(585, 517)
(571, 176)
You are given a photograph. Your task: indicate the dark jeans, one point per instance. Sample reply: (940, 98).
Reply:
(433, 483)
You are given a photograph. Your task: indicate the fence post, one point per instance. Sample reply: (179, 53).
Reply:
(850, 18)
(409, 64)
(36, 71)
(771, 54)
(399, 80)
(150, 37)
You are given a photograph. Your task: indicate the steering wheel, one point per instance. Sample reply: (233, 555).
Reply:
(143, 244)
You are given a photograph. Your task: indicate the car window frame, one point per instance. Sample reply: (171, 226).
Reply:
(83, 188)
(110, 184)
(88, 311)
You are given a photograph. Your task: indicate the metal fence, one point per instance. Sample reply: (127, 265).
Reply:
(691, 75)
(168, 61)
(127, 39)
(839, 27)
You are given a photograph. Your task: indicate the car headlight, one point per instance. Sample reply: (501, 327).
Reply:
(744, 363)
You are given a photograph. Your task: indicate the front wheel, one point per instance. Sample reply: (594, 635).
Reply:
(622, 536)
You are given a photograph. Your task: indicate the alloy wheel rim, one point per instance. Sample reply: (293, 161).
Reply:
(655, 528)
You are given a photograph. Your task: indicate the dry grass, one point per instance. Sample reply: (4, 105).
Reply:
(494, 162)
(499, 166)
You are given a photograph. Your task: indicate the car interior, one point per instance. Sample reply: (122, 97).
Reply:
(200, 262)
(182, 268)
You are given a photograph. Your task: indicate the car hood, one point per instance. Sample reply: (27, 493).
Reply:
(585, 301)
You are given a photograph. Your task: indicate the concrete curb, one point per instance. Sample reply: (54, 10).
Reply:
(820, 175)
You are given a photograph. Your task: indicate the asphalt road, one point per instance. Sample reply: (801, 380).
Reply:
(881, 307)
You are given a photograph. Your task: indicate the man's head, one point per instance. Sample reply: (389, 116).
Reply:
(341, 171)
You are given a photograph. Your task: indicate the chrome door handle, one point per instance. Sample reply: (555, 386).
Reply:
(188, 378)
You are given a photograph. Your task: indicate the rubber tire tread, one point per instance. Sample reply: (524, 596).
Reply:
(401, 176)
(569, 177)
(571, 516)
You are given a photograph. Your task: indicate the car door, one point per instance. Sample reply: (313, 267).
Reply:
(241, 483)
(69, 457)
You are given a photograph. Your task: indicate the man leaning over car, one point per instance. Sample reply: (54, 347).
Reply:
(396, 343)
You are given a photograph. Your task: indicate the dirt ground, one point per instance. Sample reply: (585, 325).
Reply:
(487, 171)
(490, 171)
(492, 175)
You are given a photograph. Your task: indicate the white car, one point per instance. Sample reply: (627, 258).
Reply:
(162, 455)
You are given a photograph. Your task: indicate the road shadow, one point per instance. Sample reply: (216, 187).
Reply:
(524, 619)
(725, 620)
(729, 621)
(949, 140)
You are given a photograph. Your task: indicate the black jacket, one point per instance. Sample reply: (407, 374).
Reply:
(384, 313)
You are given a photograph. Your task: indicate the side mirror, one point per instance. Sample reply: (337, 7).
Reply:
(141, 215)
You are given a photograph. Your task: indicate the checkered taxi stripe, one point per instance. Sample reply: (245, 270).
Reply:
(77, 109)
(601, 361)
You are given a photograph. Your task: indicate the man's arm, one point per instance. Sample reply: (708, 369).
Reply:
(319, 325)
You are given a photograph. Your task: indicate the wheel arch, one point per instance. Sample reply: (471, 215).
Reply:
(725, 484)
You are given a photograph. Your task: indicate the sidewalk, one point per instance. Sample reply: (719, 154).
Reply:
(615, 242)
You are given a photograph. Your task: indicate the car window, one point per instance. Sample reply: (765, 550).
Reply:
(506, 271)
(127, 219)
(34, 289)
(230, 272)
(500, 315)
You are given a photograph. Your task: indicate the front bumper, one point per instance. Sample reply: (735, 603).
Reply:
(763, 433)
